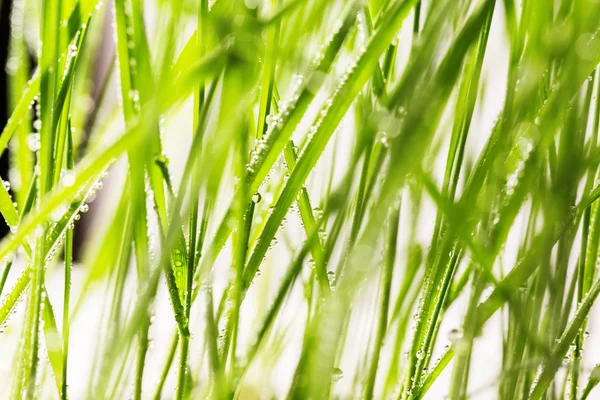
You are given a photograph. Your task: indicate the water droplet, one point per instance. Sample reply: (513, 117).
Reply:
(454, 335)
(256, 198)
(331, 279)
(68, 178)
(134, 95)
(318, 212)
(33, 141)
(337, 375)
(162, 159)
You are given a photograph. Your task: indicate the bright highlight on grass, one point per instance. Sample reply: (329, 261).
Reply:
(303, 199)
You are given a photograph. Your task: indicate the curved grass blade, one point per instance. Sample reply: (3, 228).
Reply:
(21, 110)
(593, 381)
(553, 362)
(343, 97)
(276, 140)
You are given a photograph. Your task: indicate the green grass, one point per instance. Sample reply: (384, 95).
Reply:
(305, 199)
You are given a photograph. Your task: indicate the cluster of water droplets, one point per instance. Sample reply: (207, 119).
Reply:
(275, 123)
(222, 336)
(71, 212)
(70, 56)
(569, 356)
(319, 55)
(34, 139)
(178, 266)
(6, 185)
(128, 9)
(16, 33)
(340, 87)
(331, 278)
(524, 146)
(11, 302)
(152, 222)
(133, 94)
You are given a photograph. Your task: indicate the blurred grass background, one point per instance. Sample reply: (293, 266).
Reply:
(300, 199)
